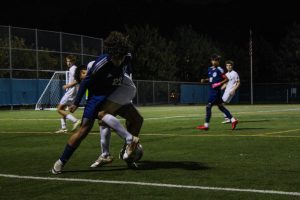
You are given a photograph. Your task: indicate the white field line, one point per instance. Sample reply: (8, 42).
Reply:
(167, 117)
(152, 184)
(278, 132)
(269, 135)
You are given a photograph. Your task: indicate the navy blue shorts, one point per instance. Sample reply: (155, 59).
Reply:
(92, 107)
(215, 98)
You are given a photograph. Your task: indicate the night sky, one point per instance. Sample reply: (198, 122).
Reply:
(221, 19)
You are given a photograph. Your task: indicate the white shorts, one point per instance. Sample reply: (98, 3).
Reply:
(67, 99)
(227, 97)
(124, 93)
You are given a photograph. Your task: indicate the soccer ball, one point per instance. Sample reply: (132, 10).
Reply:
(136, 155)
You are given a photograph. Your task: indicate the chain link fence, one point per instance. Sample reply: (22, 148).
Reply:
(29, 57)
(32, 53)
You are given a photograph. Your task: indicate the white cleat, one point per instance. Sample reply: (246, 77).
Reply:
(227, 121)
(62, 130)
(57, 167)
(131, 147)
(102, 160)
(76, 125)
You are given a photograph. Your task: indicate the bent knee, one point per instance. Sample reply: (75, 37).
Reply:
(101, 114)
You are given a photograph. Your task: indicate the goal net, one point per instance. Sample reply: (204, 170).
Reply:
(53, 92)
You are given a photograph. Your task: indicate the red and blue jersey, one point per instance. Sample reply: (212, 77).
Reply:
(215, 75)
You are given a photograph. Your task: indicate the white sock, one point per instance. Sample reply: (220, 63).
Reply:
(63, 123)
(71, 118)
(206, 124)
(114, 123)
(105, 140)
(232, 119)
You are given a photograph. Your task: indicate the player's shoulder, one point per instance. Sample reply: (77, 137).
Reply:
(73, 68)
(101, 61)
(220, 69)
(234, 73)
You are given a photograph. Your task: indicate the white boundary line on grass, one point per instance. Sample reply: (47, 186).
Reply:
(269, 134)
(159, 118)
(152, 184)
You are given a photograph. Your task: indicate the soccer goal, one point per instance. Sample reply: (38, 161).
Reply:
(53, 92)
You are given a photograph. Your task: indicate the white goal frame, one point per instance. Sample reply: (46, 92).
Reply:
(53, 91)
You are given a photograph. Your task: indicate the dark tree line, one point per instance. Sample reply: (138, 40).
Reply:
(184, 56)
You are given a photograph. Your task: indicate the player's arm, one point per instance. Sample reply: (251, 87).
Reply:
(81, 91)
(69, 85)
(225, 80)
(237, 85)
(204, 78)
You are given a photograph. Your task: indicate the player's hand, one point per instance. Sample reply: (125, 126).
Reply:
(203, 80)
(216, 85)
(73, 108)
(65, 87)
(232, 93)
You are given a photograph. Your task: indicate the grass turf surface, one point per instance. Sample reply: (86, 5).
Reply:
(262, 153)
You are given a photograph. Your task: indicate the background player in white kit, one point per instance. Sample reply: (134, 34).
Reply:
(231, 86)
(69, 97)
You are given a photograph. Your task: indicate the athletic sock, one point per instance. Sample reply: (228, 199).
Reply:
(71, 118)
(67, 153)
(114, 123)
(63, 123)
(105, 140)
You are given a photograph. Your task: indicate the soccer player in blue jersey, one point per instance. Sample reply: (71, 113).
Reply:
(102, 79)
(216, 78)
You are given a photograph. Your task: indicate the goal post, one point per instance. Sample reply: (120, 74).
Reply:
(53, 91)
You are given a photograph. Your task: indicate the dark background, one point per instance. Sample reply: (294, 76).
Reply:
(221, 19)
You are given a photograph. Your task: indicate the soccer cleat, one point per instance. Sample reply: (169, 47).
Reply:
(132, 165)
(62, 130)
(102, 160)
(226, 121)
(202, 127)
(233, 124)
(76, 125)
(131, 147)
(121, 153)
(57, 167)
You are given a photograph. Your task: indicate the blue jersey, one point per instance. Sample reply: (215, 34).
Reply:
(215, 75)
(102, 79)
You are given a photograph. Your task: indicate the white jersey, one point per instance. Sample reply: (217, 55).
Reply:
(71, 92)
(124, 93)
(233, 79)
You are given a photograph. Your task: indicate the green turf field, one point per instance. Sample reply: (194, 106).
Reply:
(259, 160)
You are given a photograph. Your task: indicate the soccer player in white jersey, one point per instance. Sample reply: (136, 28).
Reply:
(69, 97)
(231, 86)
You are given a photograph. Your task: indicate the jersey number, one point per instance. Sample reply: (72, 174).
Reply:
(117, 81)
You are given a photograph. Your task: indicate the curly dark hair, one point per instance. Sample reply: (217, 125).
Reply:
(77, 72)
(117, 44)
(215, 57)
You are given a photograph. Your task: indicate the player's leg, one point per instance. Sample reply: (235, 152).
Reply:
(226, 99)
(105, 157)
(134, 122)
(73, 143)
(115, 124)
(61, 111)
(134, 119)
(211, 101)
(226, 112)
(89, 115)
